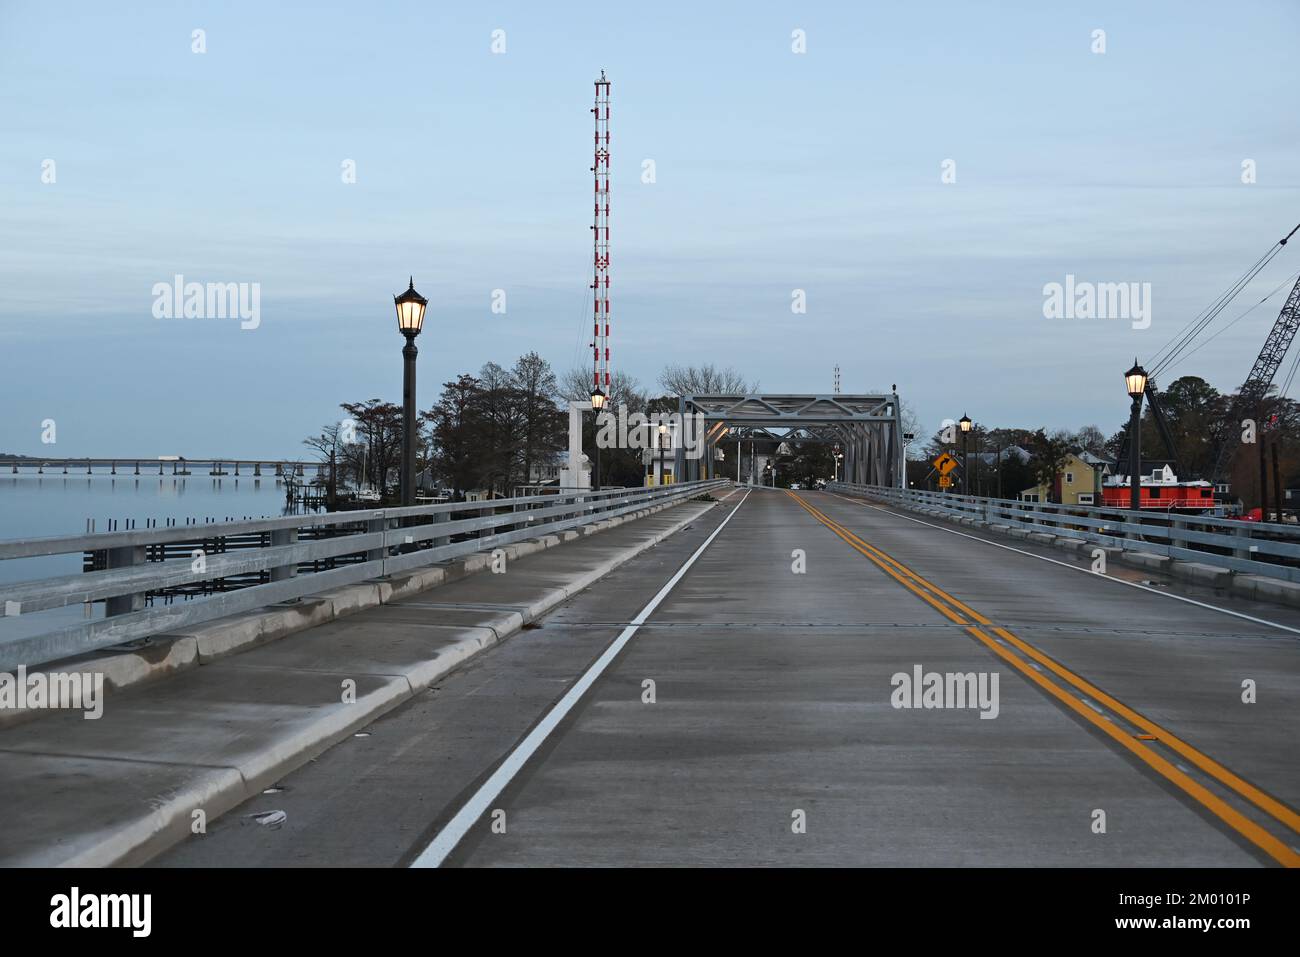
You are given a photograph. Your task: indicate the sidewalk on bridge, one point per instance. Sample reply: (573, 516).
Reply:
(167, 756)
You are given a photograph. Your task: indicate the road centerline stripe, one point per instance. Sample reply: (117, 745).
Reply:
(1247, 828)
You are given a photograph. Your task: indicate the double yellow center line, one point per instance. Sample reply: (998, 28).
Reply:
(1140, 745)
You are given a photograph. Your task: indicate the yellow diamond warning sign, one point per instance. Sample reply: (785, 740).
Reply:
(945, 463)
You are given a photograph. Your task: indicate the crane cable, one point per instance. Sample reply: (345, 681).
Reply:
(1205, 342)
(1175, 347)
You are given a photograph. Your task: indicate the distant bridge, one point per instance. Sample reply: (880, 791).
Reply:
(179, 465)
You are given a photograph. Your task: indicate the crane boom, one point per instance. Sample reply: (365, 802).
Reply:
(1260, 380)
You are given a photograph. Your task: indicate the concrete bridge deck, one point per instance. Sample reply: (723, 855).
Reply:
(1118, 695)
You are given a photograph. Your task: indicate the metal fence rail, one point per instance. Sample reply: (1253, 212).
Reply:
(1255, 548)
(379, 542)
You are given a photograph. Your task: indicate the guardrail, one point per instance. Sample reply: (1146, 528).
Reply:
(375, 542)
(1255, 548)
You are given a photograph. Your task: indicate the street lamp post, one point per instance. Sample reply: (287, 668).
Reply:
(965, 424)
(410, 319)
(663, 435)
(597, 403)
(1135, 380)
(835, 452)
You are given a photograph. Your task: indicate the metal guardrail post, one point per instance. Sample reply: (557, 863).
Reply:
(1176, 525)
(377, 524)
(284, 536)
(123, 558)
(1242, 551)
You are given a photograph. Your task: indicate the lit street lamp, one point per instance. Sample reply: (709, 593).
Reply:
(597, 403)
(663, 438)
(410, 319)
(1136, 382)
(965, 424)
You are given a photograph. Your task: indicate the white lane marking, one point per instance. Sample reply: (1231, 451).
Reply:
(474, 809)
(1055, 561)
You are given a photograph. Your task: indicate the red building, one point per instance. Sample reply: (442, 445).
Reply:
(1161, 491)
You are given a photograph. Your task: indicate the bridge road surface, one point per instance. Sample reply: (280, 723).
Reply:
(773, 696)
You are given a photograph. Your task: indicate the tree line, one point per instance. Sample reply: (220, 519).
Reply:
(488, 431)
(1198, 418)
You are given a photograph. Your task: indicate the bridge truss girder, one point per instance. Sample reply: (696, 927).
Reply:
(868, 428)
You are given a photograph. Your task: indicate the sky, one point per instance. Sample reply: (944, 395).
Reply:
(774, 171)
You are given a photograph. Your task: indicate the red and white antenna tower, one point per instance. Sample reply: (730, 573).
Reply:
(600, 241)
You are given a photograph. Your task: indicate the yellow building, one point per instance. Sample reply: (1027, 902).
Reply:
(1077, 483)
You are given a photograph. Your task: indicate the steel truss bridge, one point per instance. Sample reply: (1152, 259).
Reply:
(868, 428)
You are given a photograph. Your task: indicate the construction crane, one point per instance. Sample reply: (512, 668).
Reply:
(1251, 395)
(1253, 391)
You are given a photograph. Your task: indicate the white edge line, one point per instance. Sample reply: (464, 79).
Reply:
(455, 830)
(1057, 561)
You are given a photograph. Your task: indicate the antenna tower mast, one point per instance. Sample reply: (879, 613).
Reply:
(600, 242)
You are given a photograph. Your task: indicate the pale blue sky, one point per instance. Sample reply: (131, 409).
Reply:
(776, 171)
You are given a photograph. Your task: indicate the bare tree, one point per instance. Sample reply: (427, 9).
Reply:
(575, 386)
(542, 423)
(704, 380)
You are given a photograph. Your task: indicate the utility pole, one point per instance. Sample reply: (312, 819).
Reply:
(1277, 486)
(1263, 468)
(1000, 465)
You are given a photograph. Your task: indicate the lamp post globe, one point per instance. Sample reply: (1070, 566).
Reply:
(1135, 381)
(410, 320)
